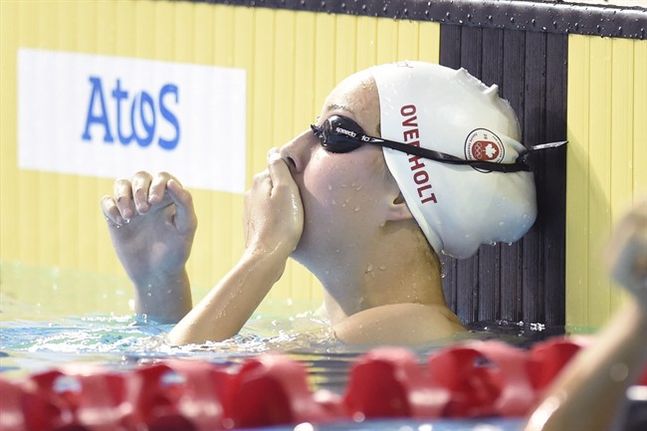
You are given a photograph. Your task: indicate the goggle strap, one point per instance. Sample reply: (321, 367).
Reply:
(437, 156)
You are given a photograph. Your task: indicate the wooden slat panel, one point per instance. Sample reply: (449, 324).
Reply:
(450, 55)
(533, 283)
(489, 258)
(467, 270)
(510, 282)
(512, 89)
(554, 181)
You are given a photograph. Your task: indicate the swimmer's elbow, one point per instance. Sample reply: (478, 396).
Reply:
(183, 334)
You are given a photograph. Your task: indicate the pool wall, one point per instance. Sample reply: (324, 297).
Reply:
(588, 88)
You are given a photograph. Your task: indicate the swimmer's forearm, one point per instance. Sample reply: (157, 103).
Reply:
(164, 298)
(227, 307)
(588, 393)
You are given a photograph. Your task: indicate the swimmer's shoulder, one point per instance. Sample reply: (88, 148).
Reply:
(399, 324)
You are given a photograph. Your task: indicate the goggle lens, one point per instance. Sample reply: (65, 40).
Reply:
(339, 134)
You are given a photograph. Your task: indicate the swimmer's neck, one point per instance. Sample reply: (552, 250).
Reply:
(381, 276)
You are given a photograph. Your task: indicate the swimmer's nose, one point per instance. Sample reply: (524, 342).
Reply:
(297, 152)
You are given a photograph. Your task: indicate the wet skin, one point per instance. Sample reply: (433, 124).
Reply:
(341, 215)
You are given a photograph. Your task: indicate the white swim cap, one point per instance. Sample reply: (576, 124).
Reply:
(458, 208)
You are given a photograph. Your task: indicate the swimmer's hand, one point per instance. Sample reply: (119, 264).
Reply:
(627, 253)
(152, 224)
(273, 219)
(273, 226)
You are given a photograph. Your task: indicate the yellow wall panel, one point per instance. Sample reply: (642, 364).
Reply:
(605, 165)
(292, 61)
(640, 125)
(621, 163)
(9, 218)
(599, 176)
(408, 40)
(428, 42)
(577, 183)
(387, 41)
(366, 42)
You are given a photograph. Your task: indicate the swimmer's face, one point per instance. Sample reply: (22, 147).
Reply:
(344, 195)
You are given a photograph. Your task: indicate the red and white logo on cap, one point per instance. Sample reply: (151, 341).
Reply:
(483, 144)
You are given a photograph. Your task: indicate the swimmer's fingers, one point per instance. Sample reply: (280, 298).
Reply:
(185, 219)
(157, 188)
(111, 212)
(123, 195)
(627, 252)
(262, 185)
(141, 183)
(281, 177)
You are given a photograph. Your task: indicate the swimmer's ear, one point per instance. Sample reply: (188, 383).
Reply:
(398, 210)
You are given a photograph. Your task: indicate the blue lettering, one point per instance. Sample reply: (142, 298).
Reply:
(149, 127)
(118, 94)
(169, 116)
(144, 111)
(102, 118)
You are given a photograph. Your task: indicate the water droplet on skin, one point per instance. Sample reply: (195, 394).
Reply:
(358, 188)
(343, 205)
(149, 294)
(329, 187)
(382, 268)
(369, 268)
(334, 202)
(356, 209)
(337, 251)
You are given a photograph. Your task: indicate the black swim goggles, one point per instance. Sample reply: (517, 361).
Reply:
(339, 134)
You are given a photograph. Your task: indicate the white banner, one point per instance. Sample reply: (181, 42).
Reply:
(110, 117)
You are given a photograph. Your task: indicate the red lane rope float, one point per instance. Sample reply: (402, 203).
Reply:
(469, 380)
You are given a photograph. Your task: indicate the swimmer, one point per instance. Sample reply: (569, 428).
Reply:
(588, 394)
(405, 161)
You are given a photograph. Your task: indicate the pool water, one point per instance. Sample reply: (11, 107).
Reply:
(123, 342)
(117, 340)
